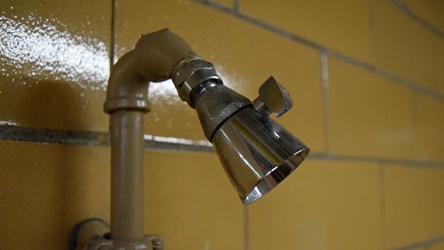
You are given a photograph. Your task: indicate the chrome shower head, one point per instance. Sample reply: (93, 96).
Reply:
(255, 151)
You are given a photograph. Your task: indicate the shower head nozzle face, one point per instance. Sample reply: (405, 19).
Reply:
(257, 153)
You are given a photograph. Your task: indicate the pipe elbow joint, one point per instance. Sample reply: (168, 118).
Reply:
(153, 59)
(127, 89)
(159, 52)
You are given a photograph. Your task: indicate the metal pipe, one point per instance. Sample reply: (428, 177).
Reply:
(127, 174)
(152, 60)
(126, 102)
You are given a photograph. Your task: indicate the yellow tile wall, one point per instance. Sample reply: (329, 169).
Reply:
(430, 121)
(55, 63)
(404, 47)
(383, 126)
(413, 204)
(226, 3)
(190, 202)
(46, 189)
(367, 81)
(438, 246)
(327, 23)
(324, 205)
(430, 11)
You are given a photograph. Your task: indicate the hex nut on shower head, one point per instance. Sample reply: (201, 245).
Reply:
(191, 73)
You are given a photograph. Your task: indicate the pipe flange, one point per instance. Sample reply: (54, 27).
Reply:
(93, 229)
(126, 103)
(93, 234)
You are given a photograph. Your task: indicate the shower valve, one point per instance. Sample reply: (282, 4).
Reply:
(273, 98)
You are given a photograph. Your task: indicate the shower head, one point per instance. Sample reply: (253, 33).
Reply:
(255, 151)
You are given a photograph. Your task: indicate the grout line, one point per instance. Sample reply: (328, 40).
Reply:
(72, 137)
(246, 231)
(89, 138)
(382, 204)
(216, 5)
(417, 18)
(263, 25)
(421, 244)
(112, 56)
(236, 6)
(407, 83)
(389, 161)
(48, 136)
(325, 99)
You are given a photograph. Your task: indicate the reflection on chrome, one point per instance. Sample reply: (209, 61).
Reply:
(43, 49)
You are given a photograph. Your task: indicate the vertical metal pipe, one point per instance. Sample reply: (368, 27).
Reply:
(127, 146)
(152, 60)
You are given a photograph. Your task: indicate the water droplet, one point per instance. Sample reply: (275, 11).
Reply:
(26, 70)
(169, 122)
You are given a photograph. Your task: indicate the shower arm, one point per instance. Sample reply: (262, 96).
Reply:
(152, 60)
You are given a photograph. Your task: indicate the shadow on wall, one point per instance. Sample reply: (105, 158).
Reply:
(49, 186)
